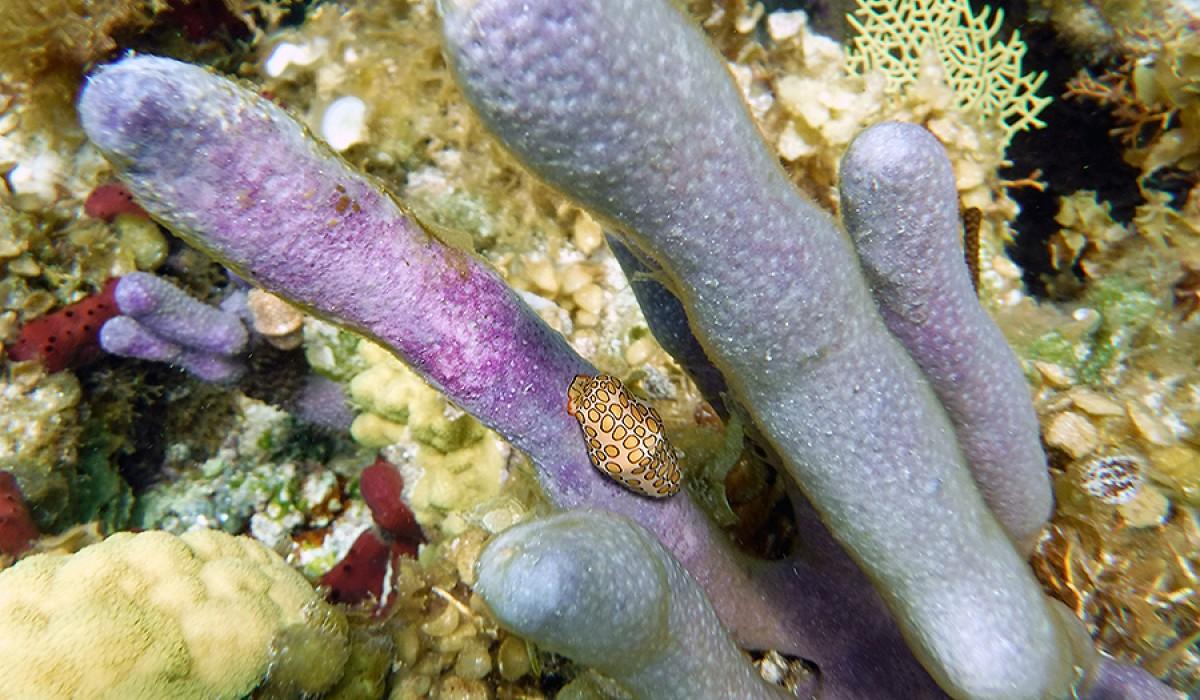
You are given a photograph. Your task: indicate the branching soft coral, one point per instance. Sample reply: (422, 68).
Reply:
(1155, 99)
(832, 391)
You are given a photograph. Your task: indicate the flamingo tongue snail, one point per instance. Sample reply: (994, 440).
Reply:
(625, 437)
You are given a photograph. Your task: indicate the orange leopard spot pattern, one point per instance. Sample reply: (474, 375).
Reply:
(625, 437)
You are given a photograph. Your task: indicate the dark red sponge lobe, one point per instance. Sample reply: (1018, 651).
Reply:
(69, 337)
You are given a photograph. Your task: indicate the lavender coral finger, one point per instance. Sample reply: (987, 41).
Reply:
(601, 590)
(1115, 680)
(168, 312)
(210, 367)
(900, 206)
(126, 337)
(624, 106)
(321, 401)
(848, 634)
(236, 176)
(162, 323)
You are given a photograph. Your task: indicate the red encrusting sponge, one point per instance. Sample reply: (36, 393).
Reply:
(17, 530)
(69, 337)
(383, 489)
(362, 574)
(110, 201)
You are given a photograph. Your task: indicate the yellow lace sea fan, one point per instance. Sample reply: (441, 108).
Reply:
(897, 37)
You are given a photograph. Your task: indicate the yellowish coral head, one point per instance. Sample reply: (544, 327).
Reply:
(153, 615)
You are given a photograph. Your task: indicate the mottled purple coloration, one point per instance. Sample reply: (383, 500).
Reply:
(900, 206)
(238, 177)
(624, 106)
(161, 323)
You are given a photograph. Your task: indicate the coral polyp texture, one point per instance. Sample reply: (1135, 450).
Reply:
(601, 590)
(152, 615)
(772, 291)
(759, 289)
(899, 206)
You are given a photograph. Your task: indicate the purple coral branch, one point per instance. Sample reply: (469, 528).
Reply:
(318, 233)
(168, 312)
(626, 108)
(600, 589)
(160, 322)
(900, 205)
(236, 176)
(845, 626)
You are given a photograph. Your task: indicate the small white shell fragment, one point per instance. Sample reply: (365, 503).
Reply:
(1054, 374)
(276, 319)
(785, 25)
(344, 123)
(35, 179)
(792, 145)
(1095, 404)
(287, 54)
(587, 234)
(1148, 426)
(1149, 508)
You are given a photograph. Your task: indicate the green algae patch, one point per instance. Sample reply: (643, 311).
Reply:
(1120, 310)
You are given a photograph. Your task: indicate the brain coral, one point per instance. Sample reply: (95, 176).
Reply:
(152, 615)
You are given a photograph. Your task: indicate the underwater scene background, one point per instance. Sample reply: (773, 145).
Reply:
(599, 349)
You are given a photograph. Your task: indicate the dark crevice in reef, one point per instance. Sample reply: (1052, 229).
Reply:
(213, 32)
(141, 462)
(1075, 151)
(125, 409)
(825, 16)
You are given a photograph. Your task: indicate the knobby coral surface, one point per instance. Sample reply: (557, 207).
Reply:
(514, 391)
(600, 589)
(206, 615)
(772, 290)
